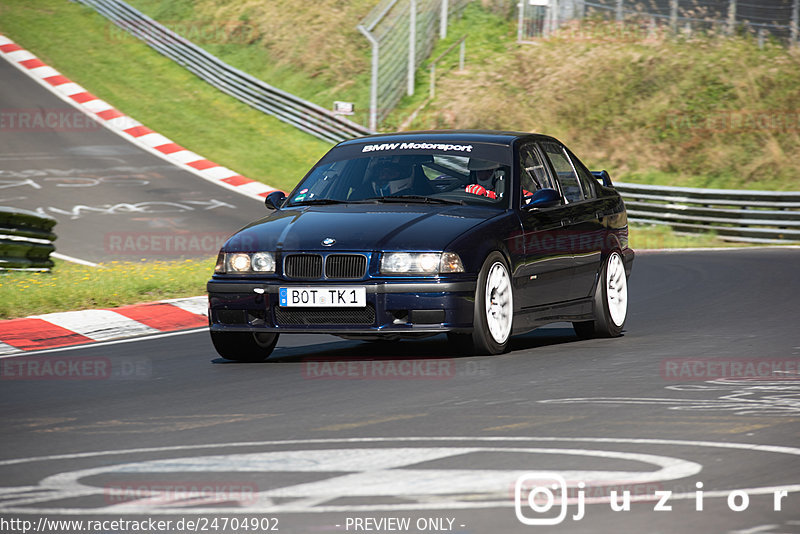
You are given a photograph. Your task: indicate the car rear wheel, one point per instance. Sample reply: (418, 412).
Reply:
(494, 310)
(244, 346)
(610, 301)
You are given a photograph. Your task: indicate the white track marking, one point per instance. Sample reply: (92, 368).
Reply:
(418, 483)
(71, 259)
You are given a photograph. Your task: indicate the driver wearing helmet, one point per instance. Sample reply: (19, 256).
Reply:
(483, 174)
(393, 178)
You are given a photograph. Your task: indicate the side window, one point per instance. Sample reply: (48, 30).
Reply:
(570, 186)
(533, 173)
(585, 177)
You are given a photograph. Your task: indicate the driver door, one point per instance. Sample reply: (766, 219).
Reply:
(543, 277)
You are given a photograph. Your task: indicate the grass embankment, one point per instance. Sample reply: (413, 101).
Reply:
(77, 287)
(702, 111)
(310, 49)
(158, 92)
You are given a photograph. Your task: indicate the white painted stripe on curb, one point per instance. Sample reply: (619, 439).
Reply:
(44, 72)
(153, 140)
(123, 123)
(184, 156)
(71, 88)
(20, 56)
(99, 325)
(97, 106)
(255, 187)
(218, 173)
(196, 305)
(4, 348)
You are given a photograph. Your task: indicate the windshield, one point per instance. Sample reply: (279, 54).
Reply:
(407, 177)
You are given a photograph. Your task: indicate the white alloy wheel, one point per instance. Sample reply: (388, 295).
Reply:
(616, 289)
(499, 303)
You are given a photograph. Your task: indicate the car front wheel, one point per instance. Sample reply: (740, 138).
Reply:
(494, 310)
(244, 346)
(610, 301)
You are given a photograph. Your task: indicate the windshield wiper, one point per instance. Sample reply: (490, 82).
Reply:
(418, 198)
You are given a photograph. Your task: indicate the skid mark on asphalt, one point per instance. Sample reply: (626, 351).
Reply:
(533, 421)
(709, 425)
(368, 422)
(739, 397)
(161, 424)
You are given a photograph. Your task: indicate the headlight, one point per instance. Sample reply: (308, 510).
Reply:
(238, 262)
(245, 262)
(425, 263)
(263, 262)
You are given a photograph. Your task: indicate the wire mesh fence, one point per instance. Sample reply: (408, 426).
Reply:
(402, 34)
(765, 18)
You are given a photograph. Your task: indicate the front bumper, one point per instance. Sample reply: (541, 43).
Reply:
(393, 307)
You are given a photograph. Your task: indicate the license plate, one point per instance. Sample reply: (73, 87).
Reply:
(323, 297)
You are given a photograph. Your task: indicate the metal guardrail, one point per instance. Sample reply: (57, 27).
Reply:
(306, 116)
(26, 240)
(735, 215)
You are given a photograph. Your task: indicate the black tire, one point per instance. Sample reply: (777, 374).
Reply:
(491, 330)
(610, 301)
(244, 346)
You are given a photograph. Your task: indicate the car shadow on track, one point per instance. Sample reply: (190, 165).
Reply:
(430, 348)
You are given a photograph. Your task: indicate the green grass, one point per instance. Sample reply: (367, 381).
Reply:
(644, 237)
(311, 50)
(77, 287)
(158, 92)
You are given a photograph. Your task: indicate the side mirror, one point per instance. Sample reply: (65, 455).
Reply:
(274, 200)
(604, 177)
(545, 198)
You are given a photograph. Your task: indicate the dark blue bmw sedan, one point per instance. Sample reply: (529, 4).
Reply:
(477, 234)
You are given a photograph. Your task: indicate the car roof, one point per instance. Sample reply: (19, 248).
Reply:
(475, 136)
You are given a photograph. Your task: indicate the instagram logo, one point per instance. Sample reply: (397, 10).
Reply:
(538, 493)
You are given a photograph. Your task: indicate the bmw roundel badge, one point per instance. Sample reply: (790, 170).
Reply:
(328, 241)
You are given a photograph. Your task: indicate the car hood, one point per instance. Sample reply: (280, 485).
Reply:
(359, 227)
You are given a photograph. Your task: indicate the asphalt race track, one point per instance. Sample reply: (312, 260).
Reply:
(112, 200)
(342, 436)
